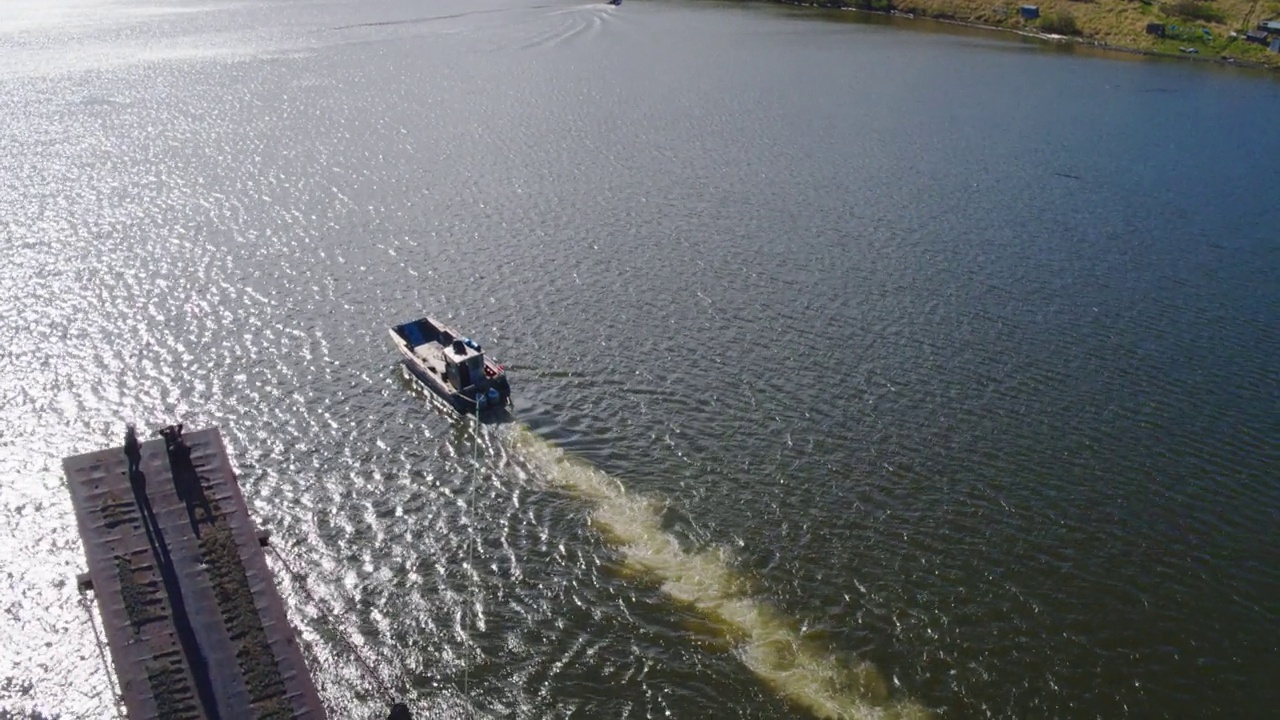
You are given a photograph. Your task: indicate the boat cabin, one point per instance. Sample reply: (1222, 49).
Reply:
(464, 364)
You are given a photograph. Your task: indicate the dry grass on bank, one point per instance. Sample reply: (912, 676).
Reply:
(1120, 23)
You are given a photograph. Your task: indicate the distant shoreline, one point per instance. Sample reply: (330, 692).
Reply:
(918, 13)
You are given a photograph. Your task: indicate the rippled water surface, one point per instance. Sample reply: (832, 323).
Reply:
(860, 372)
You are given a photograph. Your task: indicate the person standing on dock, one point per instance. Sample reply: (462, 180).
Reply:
(172, 435)
(132, 449)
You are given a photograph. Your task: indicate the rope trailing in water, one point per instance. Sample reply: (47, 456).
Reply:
(333, 626)
(117, 696)
(466, 614)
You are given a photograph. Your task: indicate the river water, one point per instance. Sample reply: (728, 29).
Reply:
(860, 371)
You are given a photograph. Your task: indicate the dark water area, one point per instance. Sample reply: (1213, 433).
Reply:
(860, 371)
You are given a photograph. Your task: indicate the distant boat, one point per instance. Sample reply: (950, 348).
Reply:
(452, 366)
(615, 3)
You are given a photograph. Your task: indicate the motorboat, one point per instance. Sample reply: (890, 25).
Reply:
(452, 366)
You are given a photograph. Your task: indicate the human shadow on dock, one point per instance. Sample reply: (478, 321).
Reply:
(138, 483)
(186, 481)
(186, 635)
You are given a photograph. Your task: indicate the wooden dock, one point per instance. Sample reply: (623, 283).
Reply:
(195, 624)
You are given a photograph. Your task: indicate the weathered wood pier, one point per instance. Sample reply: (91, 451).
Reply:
(195, 624)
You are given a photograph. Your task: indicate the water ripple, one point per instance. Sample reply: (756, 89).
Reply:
(832, 400)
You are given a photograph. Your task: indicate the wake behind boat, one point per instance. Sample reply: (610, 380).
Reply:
(452, 366)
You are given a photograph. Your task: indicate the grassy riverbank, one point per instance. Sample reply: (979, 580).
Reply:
(1121, 24)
